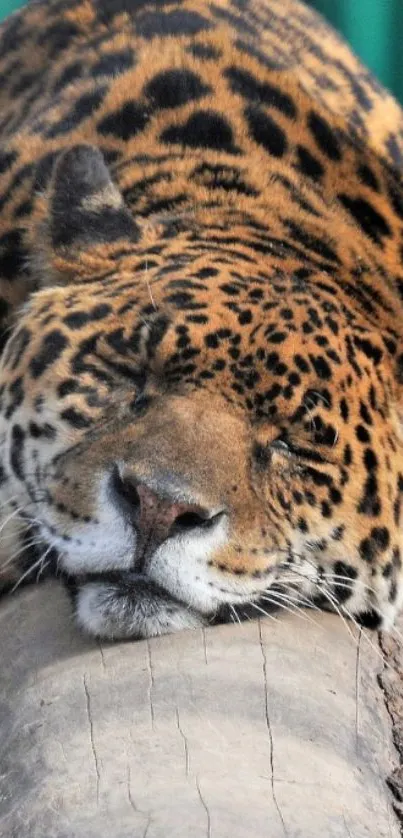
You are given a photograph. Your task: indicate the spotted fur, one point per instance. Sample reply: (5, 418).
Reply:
(201, 291)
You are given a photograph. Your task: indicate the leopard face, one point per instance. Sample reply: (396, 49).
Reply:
(201, 398)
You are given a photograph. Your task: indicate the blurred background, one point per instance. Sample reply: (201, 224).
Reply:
(373, 27)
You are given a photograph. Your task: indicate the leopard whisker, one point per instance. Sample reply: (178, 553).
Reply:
(234, 615)
(291, 608)
(262, 611)
(22, 549)
(295, 603)
(38, 562)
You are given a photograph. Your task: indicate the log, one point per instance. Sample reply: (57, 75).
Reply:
(272, 728)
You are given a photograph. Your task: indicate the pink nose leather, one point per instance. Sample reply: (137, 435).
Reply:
(157, 515)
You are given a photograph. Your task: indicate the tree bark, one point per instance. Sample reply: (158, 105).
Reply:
(274, 728)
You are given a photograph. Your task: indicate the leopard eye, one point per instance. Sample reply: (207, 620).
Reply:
(268, 441)
(281, 445)
(303, 453)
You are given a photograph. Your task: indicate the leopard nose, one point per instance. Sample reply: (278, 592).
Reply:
(158, 517)
(166, 517)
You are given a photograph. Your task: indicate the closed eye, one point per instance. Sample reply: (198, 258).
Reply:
(280, 445)
(284, 445)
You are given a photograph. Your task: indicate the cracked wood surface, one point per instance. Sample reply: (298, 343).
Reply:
(271, 728)
(391, 682)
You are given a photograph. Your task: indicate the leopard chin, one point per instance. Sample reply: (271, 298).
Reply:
(128, 605)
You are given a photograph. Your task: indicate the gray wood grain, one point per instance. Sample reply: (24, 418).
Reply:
(270, 728)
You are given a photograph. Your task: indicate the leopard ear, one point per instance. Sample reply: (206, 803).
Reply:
(81, 220)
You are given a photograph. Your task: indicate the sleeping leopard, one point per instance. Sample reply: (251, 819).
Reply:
(201, 301)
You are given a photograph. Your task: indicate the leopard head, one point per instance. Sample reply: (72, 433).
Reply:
(221, 432)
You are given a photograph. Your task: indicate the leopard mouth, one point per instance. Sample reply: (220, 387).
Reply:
(125, 605)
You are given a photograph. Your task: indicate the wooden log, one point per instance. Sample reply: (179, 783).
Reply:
(272, 728)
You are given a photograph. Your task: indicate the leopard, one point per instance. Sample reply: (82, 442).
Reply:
(201, 302)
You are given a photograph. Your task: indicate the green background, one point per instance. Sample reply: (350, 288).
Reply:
(373, 27)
